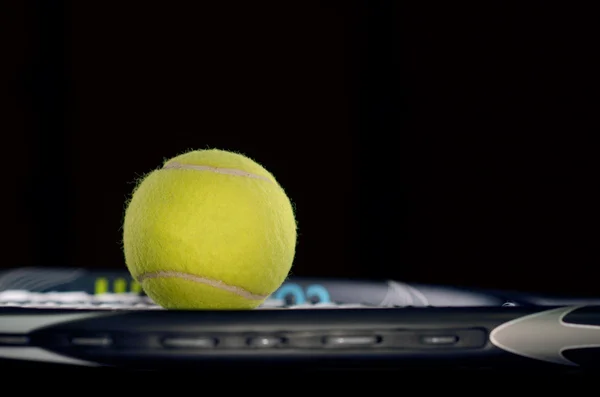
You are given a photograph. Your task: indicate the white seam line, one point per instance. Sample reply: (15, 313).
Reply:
(203, 280)
(227, 171)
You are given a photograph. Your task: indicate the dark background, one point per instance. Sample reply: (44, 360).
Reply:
(423, 142)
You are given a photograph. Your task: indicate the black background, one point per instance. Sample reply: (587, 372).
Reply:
(437, 143)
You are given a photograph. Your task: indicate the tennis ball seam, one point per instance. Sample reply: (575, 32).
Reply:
(234, 289)
(218, 170)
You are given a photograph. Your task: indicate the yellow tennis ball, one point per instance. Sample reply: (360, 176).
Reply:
(211, 229)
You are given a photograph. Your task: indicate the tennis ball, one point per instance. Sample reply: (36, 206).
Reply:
(211, 229)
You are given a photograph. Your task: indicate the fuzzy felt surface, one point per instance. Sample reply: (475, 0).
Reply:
(210, 230)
